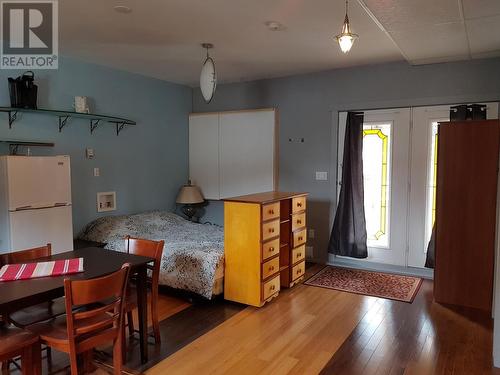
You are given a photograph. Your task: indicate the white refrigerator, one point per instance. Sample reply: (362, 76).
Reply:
(35, 203)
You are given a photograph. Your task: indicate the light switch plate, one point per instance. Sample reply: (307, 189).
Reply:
(321, 176)
(97, 172)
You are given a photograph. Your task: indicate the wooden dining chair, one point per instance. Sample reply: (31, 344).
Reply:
(37, 313)
(15, 342)
(98, 321)
(151, 249)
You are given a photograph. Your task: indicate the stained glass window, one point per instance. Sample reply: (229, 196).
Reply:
(376, 176)
(431, 183)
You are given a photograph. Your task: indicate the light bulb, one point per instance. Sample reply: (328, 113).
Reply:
(345, 42)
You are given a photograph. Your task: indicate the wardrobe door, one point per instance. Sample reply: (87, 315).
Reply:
(466, 212)
(204, 153)
(247, 152)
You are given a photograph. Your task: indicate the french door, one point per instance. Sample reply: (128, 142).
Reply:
(399, 168)
(385, 168)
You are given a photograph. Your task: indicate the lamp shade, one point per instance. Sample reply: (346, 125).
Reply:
(189, 194)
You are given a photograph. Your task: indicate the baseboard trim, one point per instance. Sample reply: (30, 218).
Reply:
(372, 266)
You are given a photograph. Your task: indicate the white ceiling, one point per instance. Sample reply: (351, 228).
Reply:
(431, 31)
(161, 38)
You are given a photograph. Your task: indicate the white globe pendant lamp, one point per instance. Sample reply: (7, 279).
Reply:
(346, 38)
(208, 76)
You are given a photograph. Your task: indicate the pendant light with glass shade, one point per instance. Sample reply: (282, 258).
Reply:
(208, 76)
(346, 38)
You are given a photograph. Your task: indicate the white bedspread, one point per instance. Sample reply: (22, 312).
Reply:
(191, 253)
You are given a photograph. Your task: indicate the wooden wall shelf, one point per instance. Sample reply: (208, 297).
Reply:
(64, 116)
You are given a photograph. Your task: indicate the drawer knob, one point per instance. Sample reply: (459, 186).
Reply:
(299, 204)
(271, 212)
(300, 238)
(299, 271)
(271, 230)
(271, 249)
(271, 268)
(299, 255)
(299, 221)
(272, 287)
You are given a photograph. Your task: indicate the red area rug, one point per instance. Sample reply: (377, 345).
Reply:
(377, 284)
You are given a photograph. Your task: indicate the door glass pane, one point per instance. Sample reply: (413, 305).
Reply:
(376, 170)
(430, 216)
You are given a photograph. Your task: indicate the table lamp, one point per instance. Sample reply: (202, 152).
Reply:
(190, 196)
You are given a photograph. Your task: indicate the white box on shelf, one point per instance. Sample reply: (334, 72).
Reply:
(106, 201)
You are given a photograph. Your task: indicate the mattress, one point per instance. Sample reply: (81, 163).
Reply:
(193, 256)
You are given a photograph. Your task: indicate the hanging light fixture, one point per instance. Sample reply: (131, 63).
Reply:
(346, 38)
(208, 76)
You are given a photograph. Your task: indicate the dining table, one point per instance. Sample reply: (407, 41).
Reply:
(97, 262)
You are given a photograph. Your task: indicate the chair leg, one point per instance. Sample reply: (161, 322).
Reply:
(123, 344)
(117, 355)
(49, 357)
(37, 359)
(27, 360)
(5, 368)
(154, 316)
(87, 361)
(130, 320)
(73, 363)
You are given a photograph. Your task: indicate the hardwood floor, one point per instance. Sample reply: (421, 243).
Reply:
(310, 330)
(419, 338)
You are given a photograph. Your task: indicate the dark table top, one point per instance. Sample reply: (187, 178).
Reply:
(97, 262)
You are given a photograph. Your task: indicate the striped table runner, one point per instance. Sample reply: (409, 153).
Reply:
(24, 271)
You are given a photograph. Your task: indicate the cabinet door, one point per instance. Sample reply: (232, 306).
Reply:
(466, 212)
(204, 153)
(247, 152)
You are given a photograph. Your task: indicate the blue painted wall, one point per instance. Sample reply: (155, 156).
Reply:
(145, 164)
(309, 104)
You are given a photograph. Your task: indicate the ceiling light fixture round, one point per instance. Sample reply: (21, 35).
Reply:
(122, 9)
(208, 76)
(275, 26)
(346, 38)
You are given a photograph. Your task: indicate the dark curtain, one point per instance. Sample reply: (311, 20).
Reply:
(431, 248)
(348, 237)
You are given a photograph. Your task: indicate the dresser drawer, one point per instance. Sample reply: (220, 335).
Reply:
(270, 229)
(270, 248)
(298, 204)
(299, 237)
(271, 211)
(270, 267)
(298, 270)
(270, 287)
(298, 221)
(298, 254)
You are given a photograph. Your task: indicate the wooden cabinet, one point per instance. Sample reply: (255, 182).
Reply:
(264, 241)
(466, 212)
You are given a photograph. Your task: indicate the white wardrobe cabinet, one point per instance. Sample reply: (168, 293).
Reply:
(233, 153)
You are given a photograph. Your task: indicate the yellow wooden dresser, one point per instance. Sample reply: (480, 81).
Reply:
(264, 245)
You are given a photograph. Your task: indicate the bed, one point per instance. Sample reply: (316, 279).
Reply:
(193, 256)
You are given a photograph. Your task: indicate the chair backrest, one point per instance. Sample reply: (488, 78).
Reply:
(26, 255)
(147, 248)
(100, 303)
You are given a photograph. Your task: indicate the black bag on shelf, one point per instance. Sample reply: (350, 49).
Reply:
(23, 92)
(476, 112)
(458, 113)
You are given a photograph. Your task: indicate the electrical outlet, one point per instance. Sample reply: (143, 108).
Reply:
(97, 172)
(311, 233)
(321, 176)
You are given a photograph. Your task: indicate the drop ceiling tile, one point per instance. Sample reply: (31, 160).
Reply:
(481, 8)
(433, 43)
(484, 35)
(398, 15)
